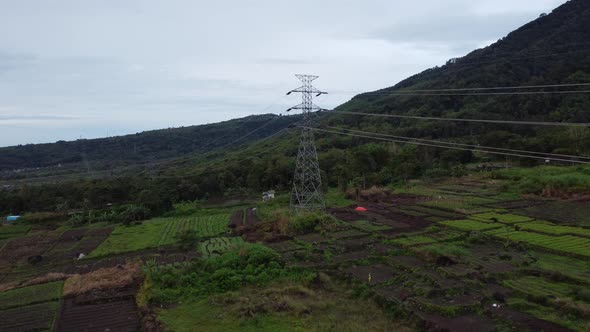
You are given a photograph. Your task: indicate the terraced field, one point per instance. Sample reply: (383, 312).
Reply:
(566, 244)
(160, 232)
(10, 231)
(469, 225)
(30, 295)
(36, 317)
(205, 226)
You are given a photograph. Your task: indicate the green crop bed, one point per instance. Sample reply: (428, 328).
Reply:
(490, 217)
(456, 205)
(575, 213)
(132, 238)
(36, 317)
(413, 240)
(548, 314)
(469, 225)
(369, 226)
(205, 226)
(32, 294)
(566, 244)
(218, 245)
(159, 232)
(10, 231)
(538, 286)
(549, 228)
(578, 269)
(434, 211)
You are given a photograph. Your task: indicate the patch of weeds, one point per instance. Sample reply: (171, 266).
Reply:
(247, 264)
(313, 222)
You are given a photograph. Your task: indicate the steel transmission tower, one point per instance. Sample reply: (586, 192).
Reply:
(307, 181)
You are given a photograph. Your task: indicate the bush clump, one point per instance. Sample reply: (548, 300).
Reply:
(248, 264)
(312, 222)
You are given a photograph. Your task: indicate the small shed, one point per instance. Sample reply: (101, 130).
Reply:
(268, 195)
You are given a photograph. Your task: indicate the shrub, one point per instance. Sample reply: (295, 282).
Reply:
(246, 264)
(312, 222)
(188, 239)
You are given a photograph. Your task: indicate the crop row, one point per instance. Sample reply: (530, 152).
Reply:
(491, 217)
(10, 231)
(549, 228)
(204, 226)
(538, 286)
(32, 294)
(455, 205)
(369, 226)
(413, 240)
(36, 317)
(469, 225)
(565, 244)
(574, 268)
(434, 211)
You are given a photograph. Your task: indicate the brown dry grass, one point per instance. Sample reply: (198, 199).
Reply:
(373, 194)
(49, 277)
(113, 277)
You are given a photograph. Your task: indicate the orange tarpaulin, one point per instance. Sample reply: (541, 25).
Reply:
(360, 208)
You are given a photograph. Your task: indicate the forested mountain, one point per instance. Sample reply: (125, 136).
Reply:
(143, 147)
(554, 49)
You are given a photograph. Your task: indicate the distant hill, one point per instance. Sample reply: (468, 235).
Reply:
(143, 147)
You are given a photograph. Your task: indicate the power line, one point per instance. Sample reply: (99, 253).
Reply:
(534, 123)
(461, 144)
(519, 93)
(273, 147)
(450, 147)
(264, 125)
(500, 59)
(129, 168)
(517, 87)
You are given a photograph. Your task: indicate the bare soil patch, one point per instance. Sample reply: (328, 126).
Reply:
(466, 323)
(354, 244)
(27, 249)
(284, 246)
(345, 214)
(523, 321)
(408, 262)
(350, 257)
(37, 317)
(119, 315)
(371, 274)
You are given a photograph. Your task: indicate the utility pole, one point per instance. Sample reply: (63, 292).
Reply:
(307, 180)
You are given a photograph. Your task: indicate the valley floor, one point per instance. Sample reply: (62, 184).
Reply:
(458, 255)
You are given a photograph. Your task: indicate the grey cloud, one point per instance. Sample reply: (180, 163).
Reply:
(37, 117)
(286, 61)
(452, 29)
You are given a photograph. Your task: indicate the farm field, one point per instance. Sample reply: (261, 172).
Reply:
(438, 262)
(30, 295)
(160, 232)
(36, 317)
(10, 231)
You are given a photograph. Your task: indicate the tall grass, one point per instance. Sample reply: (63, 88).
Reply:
(547, 180)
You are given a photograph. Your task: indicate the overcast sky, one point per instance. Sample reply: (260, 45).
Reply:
(71, 68)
